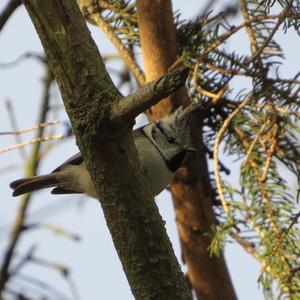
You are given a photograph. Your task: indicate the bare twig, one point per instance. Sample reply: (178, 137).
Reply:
(31, 170)
(63, 270)
(32, 128)
(8, 11)
(88, 10)
(14, 126)
(23, 57)
(44, 286)
(216, 155)
(249, 29)
(270, 153)
(23, 260)
(33, 141)
(281, 18)
(246, 144)
(235, 29)
(251, 147)
(55, 229)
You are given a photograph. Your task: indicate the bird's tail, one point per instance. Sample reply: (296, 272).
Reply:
(26, 185)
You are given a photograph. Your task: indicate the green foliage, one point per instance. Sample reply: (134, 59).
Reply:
(262, 139)
(121, 16)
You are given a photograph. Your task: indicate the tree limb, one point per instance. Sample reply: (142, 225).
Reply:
(150, 94)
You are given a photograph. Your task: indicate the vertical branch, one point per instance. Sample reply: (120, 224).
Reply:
(14, 126)
(159, 50)
(216, 156)
(249, 29)
(191, 189)
(31, 167)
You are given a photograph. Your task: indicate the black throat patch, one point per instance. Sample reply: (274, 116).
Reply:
(176, 160)
(174, 163)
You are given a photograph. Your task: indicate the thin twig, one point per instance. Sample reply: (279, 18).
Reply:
(14, 126)
(23, 57)
(33, 163)
(245, 143)
(270, 153)
(221, 39)
(44, 286)
(33, 141)
(63, 270)
(53, 228)
(89, 11)
(281, 18)
(250, 149)
(284, 234)
(32, 128)
(8, 11)
(215, 97)
(216, 155)
(23, 261)
(249, 29)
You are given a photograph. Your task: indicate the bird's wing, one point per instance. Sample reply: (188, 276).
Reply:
(77, 158)
(73, 160)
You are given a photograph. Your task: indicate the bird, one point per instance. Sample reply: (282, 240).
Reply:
(162, 146)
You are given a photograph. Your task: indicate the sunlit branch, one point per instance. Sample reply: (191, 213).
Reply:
(281, 18)
(216, 155)
(32, 128)
(32, 141)
(221, 39)
(89, 11)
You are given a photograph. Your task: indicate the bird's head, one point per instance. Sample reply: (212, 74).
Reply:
(171, 134)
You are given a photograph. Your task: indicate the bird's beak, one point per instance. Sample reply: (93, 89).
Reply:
(191, 150)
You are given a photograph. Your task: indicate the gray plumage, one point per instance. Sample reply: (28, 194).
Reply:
(161, 147)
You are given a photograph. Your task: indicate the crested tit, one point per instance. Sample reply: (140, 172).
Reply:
(161, 145)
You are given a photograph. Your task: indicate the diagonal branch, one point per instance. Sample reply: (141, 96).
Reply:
(150, 94)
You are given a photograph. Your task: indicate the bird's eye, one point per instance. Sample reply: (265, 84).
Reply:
(171, 140)
(153, 132)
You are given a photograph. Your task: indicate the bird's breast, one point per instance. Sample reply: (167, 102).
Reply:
(157, 172)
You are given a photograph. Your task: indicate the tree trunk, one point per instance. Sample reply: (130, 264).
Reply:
(106, 143)
(191, 188)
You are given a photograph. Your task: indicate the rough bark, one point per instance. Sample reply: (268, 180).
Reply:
(108, 150)
(191, 189)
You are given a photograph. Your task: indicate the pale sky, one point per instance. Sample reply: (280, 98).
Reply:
(95, 267)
